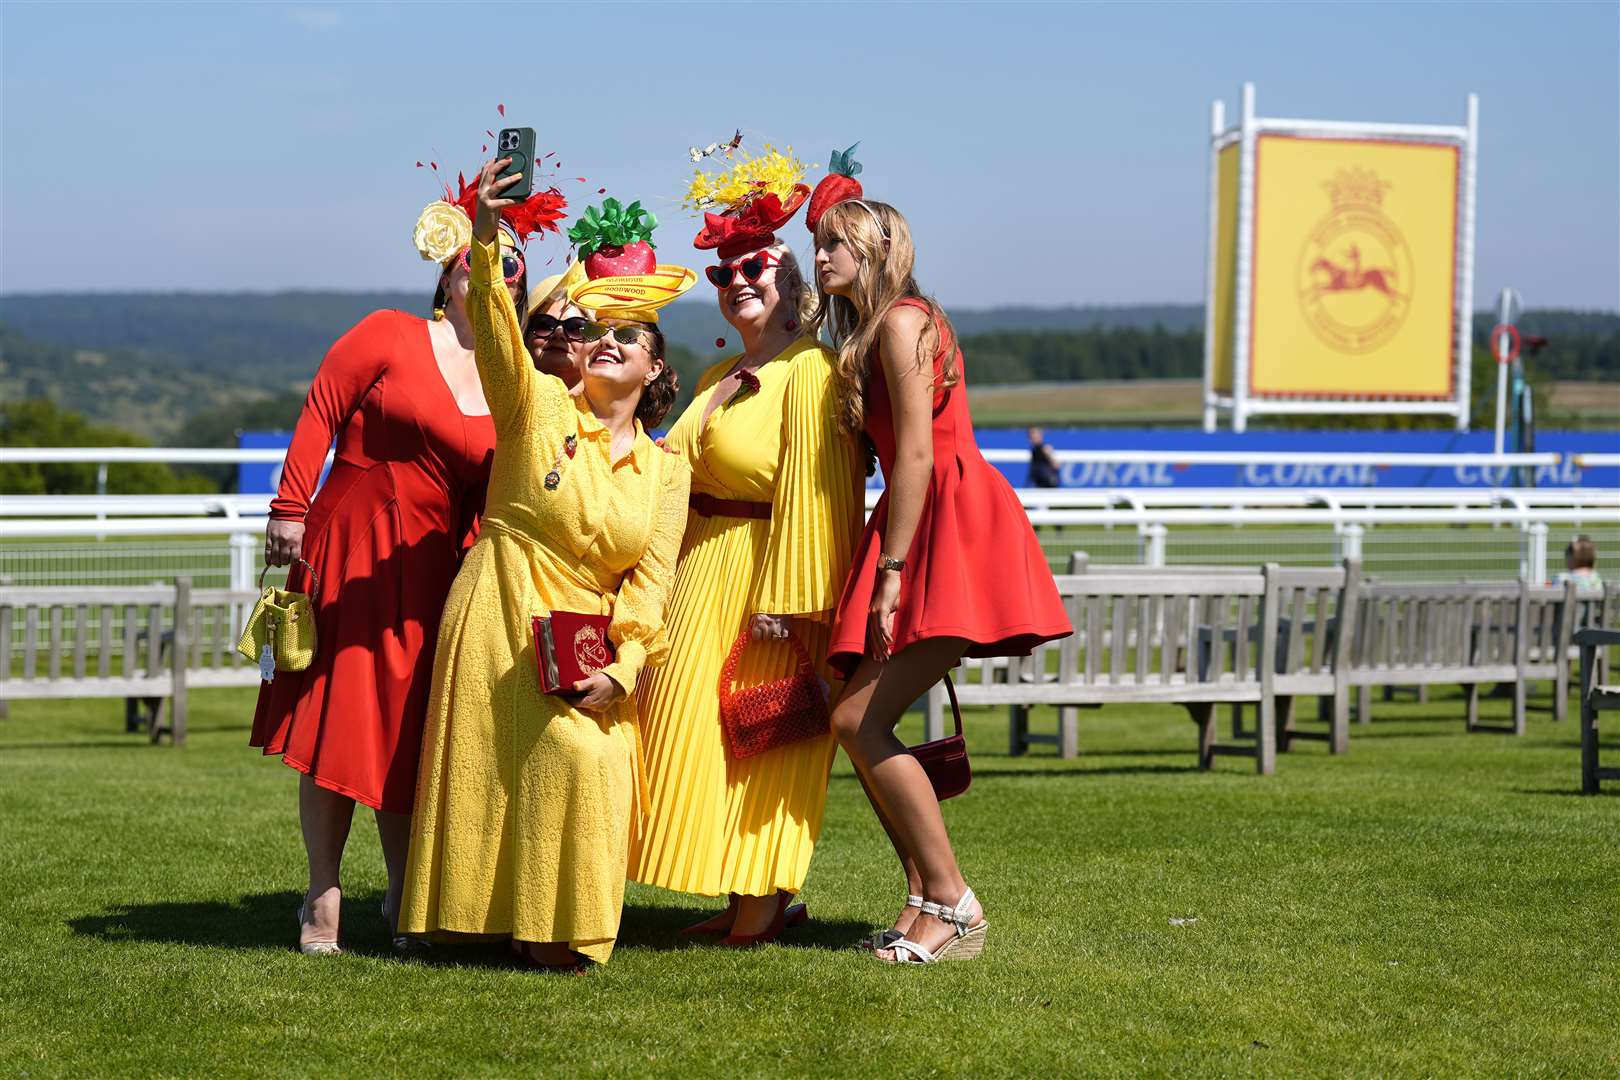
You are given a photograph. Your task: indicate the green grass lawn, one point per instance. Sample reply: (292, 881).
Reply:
(1434, 903)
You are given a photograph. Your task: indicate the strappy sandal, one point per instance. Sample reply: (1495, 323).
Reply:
(966, 944)
(314, 948)
(883, 939)
(406, 946)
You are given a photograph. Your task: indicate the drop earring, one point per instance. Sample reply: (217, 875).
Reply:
(719, 342)
(792, 325)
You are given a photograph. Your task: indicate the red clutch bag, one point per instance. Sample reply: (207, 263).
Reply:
(946, 760)
(569, 647)
(760, 718)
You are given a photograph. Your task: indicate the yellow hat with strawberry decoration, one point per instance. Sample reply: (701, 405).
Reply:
(623, 278)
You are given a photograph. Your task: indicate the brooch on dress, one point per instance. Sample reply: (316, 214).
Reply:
(554, 477)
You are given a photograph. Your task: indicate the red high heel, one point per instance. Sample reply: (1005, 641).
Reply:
(787, 914)
(716, 925)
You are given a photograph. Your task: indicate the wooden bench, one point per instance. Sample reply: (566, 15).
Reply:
(154, 641)
(1464, 634)
(1596, 697)
(1137, 640)
(1308, 663)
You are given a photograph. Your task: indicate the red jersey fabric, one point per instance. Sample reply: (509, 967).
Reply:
(975, 569)
(385, 535)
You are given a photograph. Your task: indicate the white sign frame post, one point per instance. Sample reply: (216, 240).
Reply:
(1241, 403)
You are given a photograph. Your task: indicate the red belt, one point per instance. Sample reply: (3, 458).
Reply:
(709, 506)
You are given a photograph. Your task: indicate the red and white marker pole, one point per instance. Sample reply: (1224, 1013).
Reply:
(1505, 347)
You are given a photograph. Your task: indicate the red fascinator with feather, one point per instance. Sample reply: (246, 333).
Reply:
(745, 204)
(839, 185)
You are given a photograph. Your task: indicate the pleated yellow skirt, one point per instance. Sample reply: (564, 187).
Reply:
(715, 825)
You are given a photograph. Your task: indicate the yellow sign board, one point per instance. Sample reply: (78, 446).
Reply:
(1355, 253)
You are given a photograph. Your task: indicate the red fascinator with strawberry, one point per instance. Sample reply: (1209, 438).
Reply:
(839, 185)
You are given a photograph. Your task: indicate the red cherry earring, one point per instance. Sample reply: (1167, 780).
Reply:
(792, 325)
(719, 342)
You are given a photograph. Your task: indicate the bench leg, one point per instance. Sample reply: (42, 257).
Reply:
(1204, 716)
(1068, 732)
(1363, 704)
(1520, 705)
(1285, 724)
(1017, 730)
(1236, 709)
(1561, 694)
(1423, 694)
(1471, 715)
(1589, 747)
(1338, 721)
(1265, 756)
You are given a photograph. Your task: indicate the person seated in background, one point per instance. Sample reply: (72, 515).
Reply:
(1043, 463)
(1580, 565)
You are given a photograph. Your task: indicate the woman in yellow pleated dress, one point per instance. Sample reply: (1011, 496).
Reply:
(776, 508)
(526, 801)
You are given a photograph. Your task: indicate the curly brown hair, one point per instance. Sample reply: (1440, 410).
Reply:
(659, 395)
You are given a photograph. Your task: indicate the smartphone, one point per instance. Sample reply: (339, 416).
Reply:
(517, 144)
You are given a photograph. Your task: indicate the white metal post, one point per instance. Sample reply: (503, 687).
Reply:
(1350, 537)
(1217, 121)
(1243, 293)
(243, 549)
(1465, 314)
(1153, 544)
(1534, 567)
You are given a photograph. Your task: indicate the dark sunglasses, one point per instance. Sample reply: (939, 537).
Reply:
(751, 268)
(624, 335)
(511, 264)
(545, 325)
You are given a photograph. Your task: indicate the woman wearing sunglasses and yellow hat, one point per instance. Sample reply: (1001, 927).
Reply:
(776, 508)
(526, 800)
(554, 332)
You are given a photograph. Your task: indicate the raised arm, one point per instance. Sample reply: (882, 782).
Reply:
(511, 384)
(347, 373)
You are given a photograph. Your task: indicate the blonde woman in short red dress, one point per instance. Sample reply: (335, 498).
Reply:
(948, 565)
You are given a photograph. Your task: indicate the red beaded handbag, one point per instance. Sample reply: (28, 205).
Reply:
(760, 718)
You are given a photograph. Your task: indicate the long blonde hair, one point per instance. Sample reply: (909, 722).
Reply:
(883, 277)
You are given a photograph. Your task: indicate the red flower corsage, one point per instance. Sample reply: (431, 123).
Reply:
(747, 383)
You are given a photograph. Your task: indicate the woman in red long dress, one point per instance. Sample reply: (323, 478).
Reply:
(384, 535)
(948, 565)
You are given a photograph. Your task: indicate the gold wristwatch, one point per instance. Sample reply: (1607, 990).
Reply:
(889, 562)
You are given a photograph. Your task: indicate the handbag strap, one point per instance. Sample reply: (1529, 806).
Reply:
(315, 581)
(956, 710)
(728, 674)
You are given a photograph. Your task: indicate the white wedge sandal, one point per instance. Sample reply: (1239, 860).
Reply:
(967, 943)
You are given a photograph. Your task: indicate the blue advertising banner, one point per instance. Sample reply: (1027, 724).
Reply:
(256, 479)
(1087, 474)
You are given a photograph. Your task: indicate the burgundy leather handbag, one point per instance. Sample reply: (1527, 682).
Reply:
(946, 760)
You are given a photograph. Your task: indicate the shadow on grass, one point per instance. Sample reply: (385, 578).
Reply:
(1612, 793)
(658, 929)
(259, 921)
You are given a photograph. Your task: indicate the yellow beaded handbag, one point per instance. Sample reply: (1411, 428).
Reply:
(280, 634)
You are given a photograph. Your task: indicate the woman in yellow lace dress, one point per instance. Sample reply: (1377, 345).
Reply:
(525, 801)
(776, 507)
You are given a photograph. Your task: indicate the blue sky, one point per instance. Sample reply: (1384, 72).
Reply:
(1045, 153)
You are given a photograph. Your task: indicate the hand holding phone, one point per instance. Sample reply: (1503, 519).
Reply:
(518, 145)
